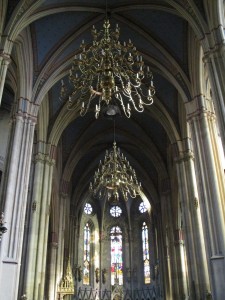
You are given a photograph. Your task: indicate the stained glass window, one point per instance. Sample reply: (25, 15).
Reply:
(88, 209)
(87, 246)
(116, 211)
(116, 256)
(145, 247)
(142, 207)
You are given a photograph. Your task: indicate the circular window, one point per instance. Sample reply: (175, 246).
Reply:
(142, 207)
(88, 209)
(115, 211)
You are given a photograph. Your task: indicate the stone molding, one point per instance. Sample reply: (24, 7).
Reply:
(44, 158)
(5, 57)
(199, 105)
(25, 110)
(217, 52)
(184, 156)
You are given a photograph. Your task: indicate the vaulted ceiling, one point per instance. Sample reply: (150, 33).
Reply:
(159, 29)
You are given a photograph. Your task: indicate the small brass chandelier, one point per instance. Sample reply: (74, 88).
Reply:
(109, 76)
(115, 177)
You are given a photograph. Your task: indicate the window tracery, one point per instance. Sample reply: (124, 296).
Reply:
(87, 250)
(142, 207)
(88, 209)
(116, 256)
(145, 249)
(115, 211)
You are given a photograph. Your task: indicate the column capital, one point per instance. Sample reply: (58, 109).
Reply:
(198, 107)
(25, 110)
(184, 156)
(5, 57)
(218, 51)
(182, 150)
(44, 158)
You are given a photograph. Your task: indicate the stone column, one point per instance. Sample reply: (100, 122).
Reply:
(193, 230)
(39, 162)
(15, 197)
(180, 256)
(215, 62)
(52, 286)
(163, 229)
(211, 188)
(43, 231)
(37, 248)
(4, 62)
(60, 252)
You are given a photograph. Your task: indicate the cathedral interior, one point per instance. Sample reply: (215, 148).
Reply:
(69, 228)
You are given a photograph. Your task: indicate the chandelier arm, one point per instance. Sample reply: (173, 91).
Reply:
(141, 108)
(108, 68)
(126, 111)
(149, 97)
(84, 110)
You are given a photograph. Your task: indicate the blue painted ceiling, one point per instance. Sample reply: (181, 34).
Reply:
(52, 32)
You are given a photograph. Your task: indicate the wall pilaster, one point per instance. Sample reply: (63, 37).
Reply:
(14, 195)
(215, 62)
(4, 62)
(181, 266)
(52, 264)
(60, 253)
(211, 189)
(194, 240)
(164, 229)
(39, 224)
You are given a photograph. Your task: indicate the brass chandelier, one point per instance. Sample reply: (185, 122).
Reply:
(108, 76)
(115, 177)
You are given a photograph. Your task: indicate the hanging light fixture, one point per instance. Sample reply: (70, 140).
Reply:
(3, 229)
(115, 177)
(109, 76)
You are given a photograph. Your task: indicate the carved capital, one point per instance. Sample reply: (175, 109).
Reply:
(39, 157)
(217, 52)
(199, 107)
(43, 158)
(184, 156)
(5, 57)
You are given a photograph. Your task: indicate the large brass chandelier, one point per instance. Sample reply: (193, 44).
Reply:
(108, 76)
(115, 177)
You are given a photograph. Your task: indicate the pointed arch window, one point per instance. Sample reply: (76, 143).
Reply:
(145, 248)
(87, 254)
(116, 256)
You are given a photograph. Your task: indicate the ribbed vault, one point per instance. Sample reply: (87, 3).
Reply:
(146, 139)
